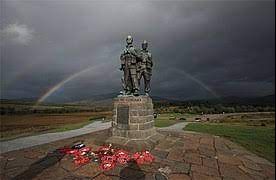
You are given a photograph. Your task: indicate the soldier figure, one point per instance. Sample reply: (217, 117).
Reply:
(129, 60)
(145, 67)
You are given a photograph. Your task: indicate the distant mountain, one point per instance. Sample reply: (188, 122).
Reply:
(29, 101)
(106, 100)
(100, 97)
(97, 100)
(261, 100)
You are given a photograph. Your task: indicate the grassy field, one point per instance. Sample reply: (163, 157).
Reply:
(13, 126)
(257, 139)
(168, 119)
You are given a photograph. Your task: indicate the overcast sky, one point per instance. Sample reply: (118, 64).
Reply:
(201, 49)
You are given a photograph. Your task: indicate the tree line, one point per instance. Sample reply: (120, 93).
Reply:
(12, 110)
(206, 108)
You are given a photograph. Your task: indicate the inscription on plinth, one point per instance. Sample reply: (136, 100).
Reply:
(122, 114)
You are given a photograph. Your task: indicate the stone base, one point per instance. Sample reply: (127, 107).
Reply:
(133, 124)
(134, 145)
(133, 117)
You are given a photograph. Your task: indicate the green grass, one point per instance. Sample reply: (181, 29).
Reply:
(48, 129)
(96, 118)
(164, 123)
(69, 127)
(168, 119)
(259, 140)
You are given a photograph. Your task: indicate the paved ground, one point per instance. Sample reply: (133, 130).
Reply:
(30, 141)
(176, 127)
(180, 155)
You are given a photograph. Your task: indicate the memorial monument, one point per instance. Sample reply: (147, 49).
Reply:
(133, 121)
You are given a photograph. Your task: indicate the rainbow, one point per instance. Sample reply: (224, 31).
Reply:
(63, 82)
(200, 83)
(73, 76)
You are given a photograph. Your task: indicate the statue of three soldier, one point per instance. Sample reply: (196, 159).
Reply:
(136, 64)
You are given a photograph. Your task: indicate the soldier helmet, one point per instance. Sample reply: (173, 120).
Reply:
(144, 45)
(129, 39)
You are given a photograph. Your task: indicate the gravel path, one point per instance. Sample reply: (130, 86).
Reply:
(176, 127)
(30, 141)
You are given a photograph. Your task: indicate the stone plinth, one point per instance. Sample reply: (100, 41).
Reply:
(133, 117)
(133, 123)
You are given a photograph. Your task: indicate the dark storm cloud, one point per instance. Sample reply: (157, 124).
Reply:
(225, 47)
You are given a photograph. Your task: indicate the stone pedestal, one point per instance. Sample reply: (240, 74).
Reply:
(133, 123)
(133, 117)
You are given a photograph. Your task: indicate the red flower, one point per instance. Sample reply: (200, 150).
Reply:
(85, 149)
(122, 156)
(148, 157)
(73, 152)
(106, 166)
(138, 157)
(108, 156)
(143, 157)
(108, 162)
(105, 150)
(81, 160)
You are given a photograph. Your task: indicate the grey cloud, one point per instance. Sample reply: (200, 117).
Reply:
(17, 33)
(226, 45)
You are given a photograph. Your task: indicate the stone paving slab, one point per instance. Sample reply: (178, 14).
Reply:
(185, 155)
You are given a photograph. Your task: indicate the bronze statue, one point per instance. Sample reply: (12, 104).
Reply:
(129, 59)
(135, 64)
(145, 67)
